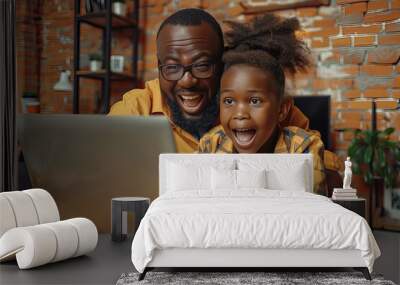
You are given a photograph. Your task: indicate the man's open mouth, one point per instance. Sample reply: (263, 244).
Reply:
(244, 136)
(191, 103)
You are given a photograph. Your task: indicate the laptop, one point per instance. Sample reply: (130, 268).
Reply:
(86, 160)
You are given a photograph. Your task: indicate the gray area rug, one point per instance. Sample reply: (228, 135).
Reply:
(273, 278)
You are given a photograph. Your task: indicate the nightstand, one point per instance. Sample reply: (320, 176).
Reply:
(119, 207)
(356, 205)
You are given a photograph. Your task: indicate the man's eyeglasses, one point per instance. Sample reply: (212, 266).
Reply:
(200, 70)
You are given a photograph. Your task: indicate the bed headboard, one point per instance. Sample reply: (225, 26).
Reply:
(270, 159)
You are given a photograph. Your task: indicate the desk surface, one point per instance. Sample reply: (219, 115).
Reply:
(102, 266)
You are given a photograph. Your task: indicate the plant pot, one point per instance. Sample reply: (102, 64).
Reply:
(366, 191)
(30, 105)
(33, 107)
(95, 65)
(119, 8)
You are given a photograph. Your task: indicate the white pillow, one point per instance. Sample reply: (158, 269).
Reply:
(186, 174)
(182, 177)
(293, 179)
(251, 178)
(236, 179)
(223, 179)
(280, 174)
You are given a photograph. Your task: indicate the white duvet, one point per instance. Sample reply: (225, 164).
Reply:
(252, 218)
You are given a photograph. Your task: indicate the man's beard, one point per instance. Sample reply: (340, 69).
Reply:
(195, 127)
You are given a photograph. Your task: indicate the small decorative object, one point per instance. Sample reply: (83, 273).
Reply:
(347, 174)
(119, 7)
(63, 83)
(345, 193)
(95, 62)
(30, 103)
(117, 63)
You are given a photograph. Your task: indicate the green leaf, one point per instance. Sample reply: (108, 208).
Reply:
(369, 137)
(373, 154)
(391, 145)
(388, 131)
(358, 155)
(368, 177)
(356, 168)
(352, 149)
(368, 155)
(381, 158)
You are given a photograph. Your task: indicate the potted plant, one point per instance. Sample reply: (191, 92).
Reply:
(30, 102)
(377, 159)
(119, 7)
(95, 61)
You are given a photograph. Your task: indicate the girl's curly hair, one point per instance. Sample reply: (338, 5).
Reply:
(268, 42)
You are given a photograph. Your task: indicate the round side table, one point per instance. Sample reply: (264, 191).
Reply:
(119, 212)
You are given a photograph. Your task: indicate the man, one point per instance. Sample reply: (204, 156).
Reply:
(189, 49)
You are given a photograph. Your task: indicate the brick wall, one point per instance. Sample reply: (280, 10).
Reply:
(355, 47)
(28, 47)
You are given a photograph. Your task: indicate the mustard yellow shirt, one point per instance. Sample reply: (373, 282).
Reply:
(291, 140)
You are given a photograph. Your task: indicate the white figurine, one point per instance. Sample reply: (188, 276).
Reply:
(347, 174)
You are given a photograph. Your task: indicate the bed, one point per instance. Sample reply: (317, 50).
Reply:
(247, 210)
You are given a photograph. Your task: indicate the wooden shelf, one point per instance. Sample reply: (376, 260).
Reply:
(107, 22)
(98, 19)
(101, 74)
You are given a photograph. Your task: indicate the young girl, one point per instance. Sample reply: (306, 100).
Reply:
(252, 94)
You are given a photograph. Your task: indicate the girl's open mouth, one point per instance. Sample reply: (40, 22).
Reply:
(244, 137)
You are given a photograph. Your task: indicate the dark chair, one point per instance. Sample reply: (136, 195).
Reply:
(317, 108)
